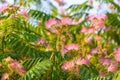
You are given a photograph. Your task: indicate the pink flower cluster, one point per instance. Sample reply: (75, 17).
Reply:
(87, 30)
(117, 54)
(98, 20)
(41, 41)
(60, 2)
(24, 13)
(113, 67)
(105, 61)
(15, 66)
(52, 23)
(4, 7)
(69, 47)
(71, 65)
(5, 76)
(18, 68)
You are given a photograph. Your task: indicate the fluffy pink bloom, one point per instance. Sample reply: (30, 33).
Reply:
(88, 56)
(92, 16)
(102, 16)
(88, 40)
(71, 47)
(50, 22)
(5, 76)
(20, 70)
(84, 30)
(23, 12)
(13, 65)
(98, 24)
(112, 67)
(117, 54)
(99, 16)
(53, 30)
(94, 50)
(41, 41)
(98, 20)
(105, 61)
(87, 30)
(69, 65)
(82, 61)
(4, 7)
(90, 30)
(66, 21)
(60, 2)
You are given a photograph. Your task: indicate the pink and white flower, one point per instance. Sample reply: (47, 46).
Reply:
(5, 76)
(94, 50)
(66, 21)
(4, 7)
(117, 54)
(112, 67)
(41, 41)
(50, 23)
(69, 65)
(24, 13)
(105, 61)
(82, 61)
(71, 47)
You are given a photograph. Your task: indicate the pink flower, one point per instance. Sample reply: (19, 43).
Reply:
(88, 56)
(90, 30)
(102, 16)
(117, 54)
(24, 13)
(53, 30)
(66, 21)
(97, 17)
(50, 22)
(88, 40)
(84, 30)
(112, 67)
(20, 70)
(69, 65)
(71, 47)
(94, 50)
(105, 61)
(82, 61)
(4, 7)
(60, 2)
(13, 65)
(5, 76)
(87, 30)
(41, 41)
(91, 16)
